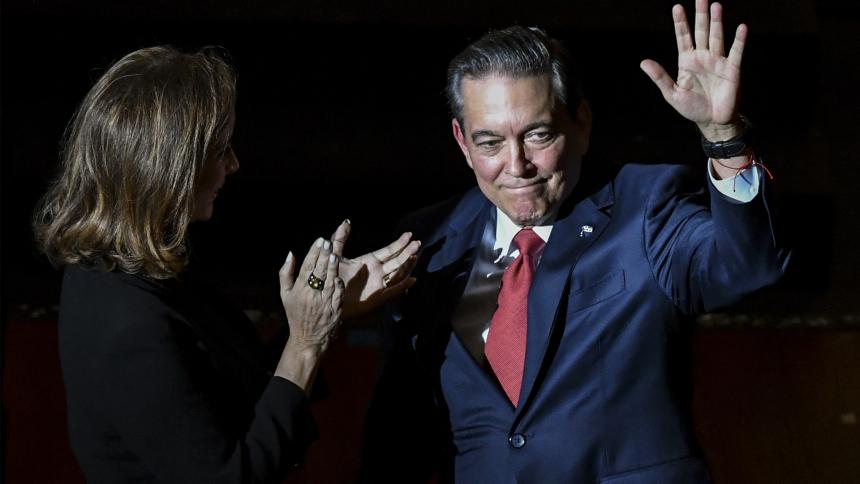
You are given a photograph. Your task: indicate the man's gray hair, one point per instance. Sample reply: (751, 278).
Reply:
(512, 52)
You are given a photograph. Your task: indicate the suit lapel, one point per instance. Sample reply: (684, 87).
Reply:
(463, 231)
(447, 272)
(571, 236)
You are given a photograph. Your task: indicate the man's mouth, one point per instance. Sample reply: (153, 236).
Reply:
(525, 186)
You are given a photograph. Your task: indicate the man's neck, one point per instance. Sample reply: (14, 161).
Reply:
(507, 228)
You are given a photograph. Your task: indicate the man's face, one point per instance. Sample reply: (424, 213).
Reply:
(522, 144)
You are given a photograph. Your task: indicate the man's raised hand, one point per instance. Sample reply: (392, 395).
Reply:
(708, 85)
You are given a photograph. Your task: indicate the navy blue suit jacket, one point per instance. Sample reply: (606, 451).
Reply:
(606, 384)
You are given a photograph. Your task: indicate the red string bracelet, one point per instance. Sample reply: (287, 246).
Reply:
(751, 161)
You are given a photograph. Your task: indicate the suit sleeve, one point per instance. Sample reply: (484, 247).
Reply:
(707, 252)
(164, 399)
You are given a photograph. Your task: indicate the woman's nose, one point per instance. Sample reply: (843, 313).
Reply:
(232, 162)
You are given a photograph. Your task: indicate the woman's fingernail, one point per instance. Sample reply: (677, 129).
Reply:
(327, 245)
(332, 259)
(346, 221)
(289, 256)
(319, 242)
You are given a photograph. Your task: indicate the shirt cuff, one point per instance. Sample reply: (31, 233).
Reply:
(742, 187)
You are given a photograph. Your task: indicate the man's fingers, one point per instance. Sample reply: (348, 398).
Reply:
(339, 237)
(715, 41)
(657, 74)
(287, 274)
(682, 30)
(702, 22)
(392, 249)
(737, 50)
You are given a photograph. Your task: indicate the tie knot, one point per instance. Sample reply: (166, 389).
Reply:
(528, 242)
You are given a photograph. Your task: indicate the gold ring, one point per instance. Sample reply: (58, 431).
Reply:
(315, 282)
(386, 281)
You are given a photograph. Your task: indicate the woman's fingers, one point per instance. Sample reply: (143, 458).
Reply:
(337, 298)
(392, 249)
(397, 273)
(320, 268)
(333, 297)
(340, 236)
(330, 276)
(395, 290)
(287, 274)
(313, 313)
(311, 259)
(394, 263)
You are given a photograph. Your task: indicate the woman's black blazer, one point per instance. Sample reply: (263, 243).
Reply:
(167, 383)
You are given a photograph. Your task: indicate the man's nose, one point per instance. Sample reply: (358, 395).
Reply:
(519, 159)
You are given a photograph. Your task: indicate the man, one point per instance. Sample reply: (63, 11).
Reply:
(546, 338)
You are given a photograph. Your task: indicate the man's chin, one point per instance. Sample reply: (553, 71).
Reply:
(528, 218)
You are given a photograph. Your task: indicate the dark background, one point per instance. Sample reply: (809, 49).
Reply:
(341, 113)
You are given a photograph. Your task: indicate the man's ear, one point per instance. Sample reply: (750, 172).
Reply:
(582, 128)
(461, 140)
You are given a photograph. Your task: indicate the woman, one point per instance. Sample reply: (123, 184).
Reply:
(165, 382)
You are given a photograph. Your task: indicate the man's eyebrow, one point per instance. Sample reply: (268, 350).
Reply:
(536, 125)
(484, 132)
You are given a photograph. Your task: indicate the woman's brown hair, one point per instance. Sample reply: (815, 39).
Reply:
(125, 193)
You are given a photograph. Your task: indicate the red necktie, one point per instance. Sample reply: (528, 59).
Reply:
(506, 342)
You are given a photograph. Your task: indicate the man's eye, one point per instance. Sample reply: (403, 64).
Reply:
(490, 144)
(541, 136)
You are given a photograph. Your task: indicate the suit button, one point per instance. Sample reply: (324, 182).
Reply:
(517, 441)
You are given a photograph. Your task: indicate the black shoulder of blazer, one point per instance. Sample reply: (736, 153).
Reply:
(166, 382)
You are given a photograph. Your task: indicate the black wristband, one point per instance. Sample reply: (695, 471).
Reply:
(731, 147)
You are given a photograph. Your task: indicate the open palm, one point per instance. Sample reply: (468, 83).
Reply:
(376, 277)
(708, 84)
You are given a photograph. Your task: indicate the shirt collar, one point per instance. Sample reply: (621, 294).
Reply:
(506, 229)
